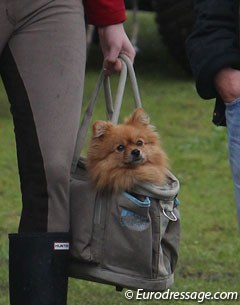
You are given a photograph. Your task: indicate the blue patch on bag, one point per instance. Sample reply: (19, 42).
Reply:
(146, 203)
(134, 221)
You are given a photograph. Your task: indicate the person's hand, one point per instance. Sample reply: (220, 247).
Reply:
(227, 83)
(114, 41)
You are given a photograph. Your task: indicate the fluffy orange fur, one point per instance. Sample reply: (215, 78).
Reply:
(121, 155)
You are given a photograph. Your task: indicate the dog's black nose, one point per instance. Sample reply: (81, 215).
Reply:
(135, 153)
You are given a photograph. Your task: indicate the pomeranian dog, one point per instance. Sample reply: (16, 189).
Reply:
(122, 155)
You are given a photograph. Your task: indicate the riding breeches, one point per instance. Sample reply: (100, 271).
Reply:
(42, 65)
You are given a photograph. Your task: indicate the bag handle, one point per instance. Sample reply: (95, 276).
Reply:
(113, 110)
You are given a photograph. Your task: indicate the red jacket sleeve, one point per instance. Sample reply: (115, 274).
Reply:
(104, 12)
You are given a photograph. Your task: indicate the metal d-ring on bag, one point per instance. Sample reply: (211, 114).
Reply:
(117, 239)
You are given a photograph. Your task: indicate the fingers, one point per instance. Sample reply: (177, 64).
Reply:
(112, 63)
(114, 41)
(111, 67)
(130, 53)
(227, 84)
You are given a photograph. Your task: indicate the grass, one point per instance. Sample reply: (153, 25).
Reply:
(210, 243)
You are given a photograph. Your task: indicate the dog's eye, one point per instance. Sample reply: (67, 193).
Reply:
(121, 147)
(139, 143)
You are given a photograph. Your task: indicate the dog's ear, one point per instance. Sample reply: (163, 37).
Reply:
(138, 116)
(100, 128)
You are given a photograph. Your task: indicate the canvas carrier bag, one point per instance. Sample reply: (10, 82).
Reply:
(118, 239)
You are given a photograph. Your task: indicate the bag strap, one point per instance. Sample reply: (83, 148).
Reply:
(113, 110)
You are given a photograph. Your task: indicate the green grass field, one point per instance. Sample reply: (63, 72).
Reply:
(210, 245)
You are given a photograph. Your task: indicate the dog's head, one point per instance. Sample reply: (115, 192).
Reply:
(121, 155)
(129, 144)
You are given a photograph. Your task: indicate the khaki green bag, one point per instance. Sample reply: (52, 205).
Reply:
(118, 239)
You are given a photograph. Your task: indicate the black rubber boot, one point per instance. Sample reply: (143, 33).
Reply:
(38, 268)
